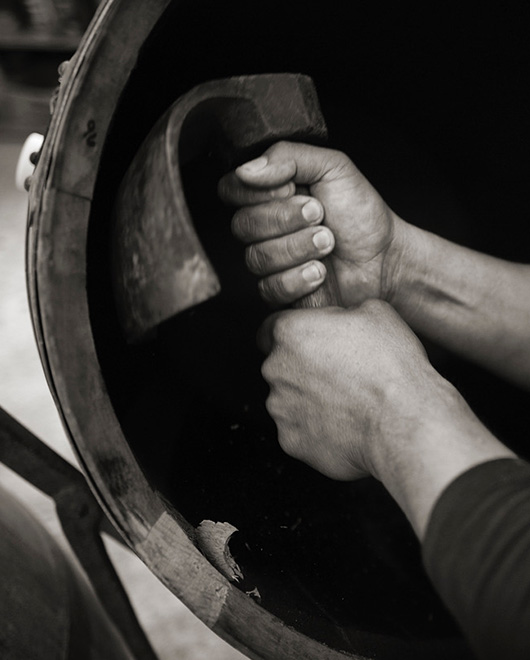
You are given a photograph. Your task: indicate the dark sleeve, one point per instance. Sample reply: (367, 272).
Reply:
(477, 553)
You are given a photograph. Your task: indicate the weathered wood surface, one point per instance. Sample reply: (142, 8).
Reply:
(159, 265)
(60, 206)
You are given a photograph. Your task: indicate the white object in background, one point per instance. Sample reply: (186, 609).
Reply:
(25, 167)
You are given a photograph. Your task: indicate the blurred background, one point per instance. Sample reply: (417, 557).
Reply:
(35, 37)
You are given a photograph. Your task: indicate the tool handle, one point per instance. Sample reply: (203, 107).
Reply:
(327, 294)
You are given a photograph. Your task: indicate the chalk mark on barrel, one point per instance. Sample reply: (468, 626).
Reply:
(90, 134)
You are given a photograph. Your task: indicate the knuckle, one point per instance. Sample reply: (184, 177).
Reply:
(374, 306)
(281, 216)
(338, 163)
(284, 192)
(270, 405)
(338, 158)
(273, 290)
(266, 372)
(283, 328)
(257, 259)
(279, 148)
(370, 304)
(292, 249)
(242, 224)
(268, 290)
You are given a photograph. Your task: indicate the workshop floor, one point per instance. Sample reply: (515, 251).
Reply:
(175, 633)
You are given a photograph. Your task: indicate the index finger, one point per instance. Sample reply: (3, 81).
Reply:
(304, 164)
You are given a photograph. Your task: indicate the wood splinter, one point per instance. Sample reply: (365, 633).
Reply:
(212, 538)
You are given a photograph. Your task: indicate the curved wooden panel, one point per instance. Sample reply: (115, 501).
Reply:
(59, 212)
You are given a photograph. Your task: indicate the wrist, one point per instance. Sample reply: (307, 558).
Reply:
(429, 445)
(403, 263)
(410, 416)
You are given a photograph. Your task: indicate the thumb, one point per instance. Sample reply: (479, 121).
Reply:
(291, 161)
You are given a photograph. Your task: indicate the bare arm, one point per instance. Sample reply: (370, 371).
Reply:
(473, 304)
(353, 393)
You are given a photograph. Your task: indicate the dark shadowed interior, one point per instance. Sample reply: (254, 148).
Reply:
(431, 105)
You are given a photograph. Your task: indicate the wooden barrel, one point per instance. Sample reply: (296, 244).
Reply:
(174, 431)
(47, 609)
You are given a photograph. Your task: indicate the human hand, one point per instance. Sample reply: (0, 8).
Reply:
(346, 385)
(283, 229)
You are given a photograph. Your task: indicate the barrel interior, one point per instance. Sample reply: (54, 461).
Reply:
(430, 105)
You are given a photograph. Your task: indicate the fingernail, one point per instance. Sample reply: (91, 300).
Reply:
(312, 211)
(322, 240)
(255, 165)
(312, 273)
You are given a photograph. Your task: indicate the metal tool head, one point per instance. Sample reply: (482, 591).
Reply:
(159, 265)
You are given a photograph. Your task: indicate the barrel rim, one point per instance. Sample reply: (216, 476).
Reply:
(58, 217)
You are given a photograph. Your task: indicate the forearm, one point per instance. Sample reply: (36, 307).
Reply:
(430, 448)
(476, 305)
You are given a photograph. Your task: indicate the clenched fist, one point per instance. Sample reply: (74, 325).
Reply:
(284, 231)
(343, 383)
